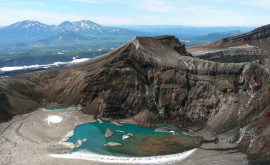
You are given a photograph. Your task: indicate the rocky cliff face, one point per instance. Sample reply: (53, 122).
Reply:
(252, 47)
(258, 37)
(247, 47)
(158, 77)
(236, 55)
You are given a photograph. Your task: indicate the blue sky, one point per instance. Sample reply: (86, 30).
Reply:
(139, 12)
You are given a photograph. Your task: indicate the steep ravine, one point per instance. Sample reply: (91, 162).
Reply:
(156, 78)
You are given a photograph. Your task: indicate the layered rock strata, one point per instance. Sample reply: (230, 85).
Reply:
(158, 77)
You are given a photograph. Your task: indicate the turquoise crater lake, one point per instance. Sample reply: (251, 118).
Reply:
(134, 140)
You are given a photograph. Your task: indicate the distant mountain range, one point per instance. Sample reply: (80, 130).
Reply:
(216, 36)
(34, 43)
(25, 32)
(29, 31)
(185, 32)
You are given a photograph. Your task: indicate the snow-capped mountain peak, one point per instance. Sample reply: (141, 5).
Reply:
(28, 27)
(27, 30)
(66, 23)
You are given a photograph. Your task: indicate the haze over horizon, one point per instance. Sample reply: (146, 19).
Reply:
(139, 12)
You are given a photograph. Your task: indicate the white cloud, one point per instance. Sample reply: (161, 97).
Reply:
(213, 19)
(148, 5)
(150, 12)
(92, 1)
(11, 16)
(104, 20)
(201, 11)
(12, 2)
(86, 1)
(152, 5)
(264, 4)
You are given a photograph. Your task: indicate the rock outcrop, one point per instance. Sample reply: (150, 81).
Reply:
(108, 133)
(158, 76)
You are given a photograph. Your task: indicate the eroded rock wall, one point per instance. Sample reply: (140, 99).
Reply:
(157, 77)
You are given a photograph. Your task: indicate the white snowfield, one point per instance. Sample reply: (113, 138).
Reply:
(55, 64)
(53, 119)
(164, 159)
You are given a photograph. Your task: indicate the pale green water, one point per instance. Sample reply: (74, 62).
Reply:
(95, 135)
(57, 108)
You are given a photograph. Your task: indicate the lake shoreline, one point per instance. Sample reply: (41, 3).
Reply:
(28, 139)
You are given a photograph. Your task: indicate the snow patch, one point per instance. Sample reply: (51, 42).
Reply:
(164, 159)
(186, 41)
(53, 119)
(55, 64)
(79, 60)
(242, 133)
